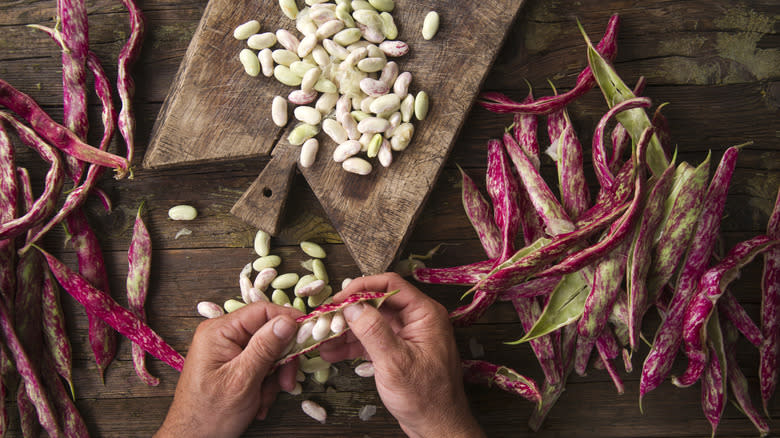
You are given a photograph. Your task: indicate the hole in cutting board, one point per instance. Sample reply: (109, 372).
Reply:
(267, 192)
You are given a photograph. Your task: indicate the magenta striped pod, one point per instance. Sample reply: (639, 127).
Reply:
(543, 200)
(668, 337)
(46, 202)
(524, 131)
(28, 418)
(607, 47)
(481, 372)
(600, 160)
(55, 332)
(639, 256)
(139, 267)
(372, 298)
(8, 198)
(502, 188)
(75, 41)
(730, 309)
(457, 275)
(70, 418)
(54, 133)
(607, 280)
(528, 311)
(713, 389)
(770, 312)
(92, 268)
(101, 305)
(737, 381)
(531, 288)
(712, 285)
(608, 349)
(608, 200)
(478, 211)
(575, 196)
(582, 353)
(530, 222)
(662, 132)
(124, 82)
(679, 224)
(78, 195)
(30, 376)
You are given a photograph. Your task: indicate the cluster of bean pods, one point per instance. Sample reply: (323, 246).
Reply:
(591, 270)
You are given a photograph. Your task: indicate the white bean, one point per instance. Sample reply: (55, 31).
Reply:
(244, 284)
(401, 84)
(309, 79)
(382, 5)
(345, 150)
(261, 41)
(279, 297)
(421, 105)
(321, 327)
(402, 135)
(314, 410)
(321, 56)
(389, 29)
(311, 289)
(233, 305)
(307, 44)
(285, 281)
(244, 31)
(336, 50)
(307, 114)
(207, 309)
(365, 369)
(373, 125)
(347, 36)
(385, 155)
(372, 33)
(395, 121)
(182, 213)
(365, 107)
(266, 62)
(326, 102)
(309, 152)
(350, 125)
(334, 130)
(353, 58)
(284, 57)
(269, 261)
(249, 61)
(322, 15)
(430, 25)
(289, 8)
(264, 278)
(345, 282)
(287, 40)
(338, 323)
(283, 74)
(357, 165)
(297, 390)
(330, 28)
(304, 331)
(389, 103)
(256, 295)
(371, 65)
(318, 268)
(279, 111)
(246, 271)
(389, 73)
(262, 243)
(407, 108)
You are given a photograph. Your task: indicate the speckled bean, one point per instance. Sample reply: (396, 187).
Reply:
(350, 125)
(401, 84)
(287, 40)
(394, 48)
(300, 97)
(207, 309)
(264, 278)
(373, 87)
(304, 332)
(336, 50)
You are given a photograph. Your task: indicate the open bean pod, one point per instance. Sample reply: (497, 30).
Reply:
(303, 346)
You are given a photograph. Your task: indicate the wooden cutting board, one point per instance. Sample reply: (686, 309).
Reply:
(215, 112)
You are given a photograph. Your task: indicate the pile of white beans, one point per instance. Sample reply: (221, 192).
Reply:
(347, 86)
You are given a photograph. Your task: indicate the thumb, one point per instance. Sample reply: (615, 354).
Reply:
(266, 346)
(373, 332)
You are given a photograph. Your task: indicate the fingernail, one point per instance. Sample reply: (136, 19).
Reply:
(284, 328)
(353, 311)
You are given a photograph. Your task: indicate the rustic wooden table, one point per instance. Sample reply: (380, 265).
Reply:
(714, 62)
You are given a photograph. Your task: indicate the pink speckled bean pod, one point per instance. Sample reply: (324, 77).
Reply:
(770, 312)
(478, 211)
(479, 371)
(139, 262)
(101, 305)
(457, 275)
(124, 82)
(607, 47)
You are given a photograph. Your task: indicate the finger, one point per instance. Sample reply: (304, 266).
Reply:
(407, 293)
(265, 347)
(373, 332)
(248, 319)
(336, 352)
(268, 393)
(286, 375)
